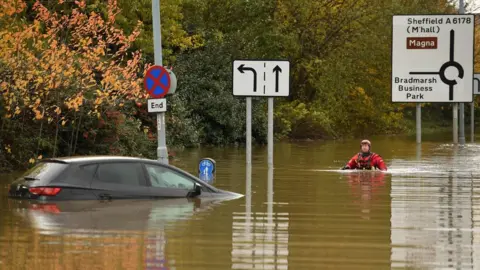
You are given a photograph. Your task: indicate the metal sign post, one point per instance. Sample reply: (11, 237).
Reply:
(476, 91)
(260, 78)
(419, 122)
(162, 152)
(462, 105)
(455, 123)
(249, 131)
(472, 121)
(270, 131)
(432, 60)
(270, 226)
(248, 201)
(159, 82)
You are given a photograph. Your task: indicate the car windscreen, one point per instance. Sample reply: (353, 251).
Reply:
(44, 172)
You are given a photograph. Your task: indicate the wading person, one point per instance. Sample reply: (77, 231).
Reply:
(366, 160)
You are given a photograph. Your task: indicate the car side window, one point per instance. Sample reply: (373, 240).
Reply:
(126, 173)
(90, 168)
(166, 178)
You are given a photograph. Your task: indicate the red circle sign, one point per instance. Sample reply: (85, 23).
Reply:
(157, 81)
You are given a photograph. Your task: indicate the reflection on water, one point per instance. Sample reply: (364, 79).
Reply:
(364, 186)
(433, 215)
(133, 231)
(91, 218)
(259, 239)
(423, 213)
(155, 252)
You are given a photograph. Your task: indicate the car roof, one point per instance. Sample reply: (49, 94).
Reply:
(87, 159)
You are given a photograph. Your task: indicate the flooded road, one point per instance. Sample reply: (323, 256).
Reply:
(423, 213)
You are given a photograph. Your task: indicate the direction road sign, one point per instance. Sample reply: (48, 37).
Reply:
(261, 78)
(432, 58)
(476, 84)
(157, 81)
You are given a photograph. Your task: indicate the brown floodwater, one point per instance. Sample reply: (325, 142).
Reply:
(304, 213)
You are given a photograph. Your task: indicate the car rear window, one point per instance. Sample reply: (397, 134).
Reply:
(44, 172)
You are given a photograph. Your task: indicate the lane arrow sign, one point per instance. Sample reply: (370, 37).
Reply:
(277, 71)
(242, 68)
(270, 78)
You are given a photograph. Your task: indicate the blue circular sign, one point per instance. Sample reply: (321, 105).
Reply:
(206, 166)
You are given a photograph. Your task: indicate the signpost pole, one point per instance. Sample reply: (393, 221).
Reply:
(455, 123)
(419, 123)
(472, 121)
(248, 201)
(249, 130)
(162, 152)
(462, 105)
(270, 131)
(270, 204)
(462, 123)
(476, 91)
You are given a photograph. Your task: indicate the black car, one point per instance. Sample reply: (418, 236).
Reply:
(109, 178)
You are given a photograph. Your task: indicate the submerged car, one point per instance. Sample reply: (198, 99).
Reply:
(109, 178)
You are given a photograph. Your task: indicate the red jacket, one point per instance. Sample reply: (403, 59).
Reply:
(367, 163)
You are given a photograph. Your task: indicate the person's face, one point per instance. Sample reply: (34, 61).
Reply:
(365, 148)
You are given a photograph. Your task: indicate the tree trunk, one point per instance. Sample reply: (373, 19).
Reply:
(78, 129)
(56, 138)
(72, 137)
(40, 133)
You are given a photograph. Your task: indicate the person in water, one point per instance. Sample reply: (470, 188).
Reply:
(366, 160)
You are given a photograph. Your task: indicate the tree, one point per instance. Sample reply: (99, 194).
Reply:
(59, 69)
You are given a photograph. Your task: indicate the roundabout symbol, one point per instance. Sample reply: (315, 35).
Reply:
(450, 63)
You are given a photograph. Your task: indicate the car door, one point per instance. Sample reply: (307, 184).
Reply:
(120, 180)
(168, 183)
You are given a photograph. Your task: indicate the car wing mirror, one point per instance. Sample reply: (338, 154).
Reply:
(197, 190)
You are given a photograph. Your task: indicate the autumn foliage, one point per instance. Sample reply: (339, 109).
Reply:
(61, 66)
(71, 73)
(54, 61)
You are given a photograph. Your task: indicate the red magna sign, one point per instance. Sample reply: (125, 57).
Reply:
(422, 43)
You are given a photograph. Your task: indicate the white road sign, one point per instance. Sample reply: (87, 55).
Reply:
(476, 84)
(157, 105)
(432, 58)
(261, 78)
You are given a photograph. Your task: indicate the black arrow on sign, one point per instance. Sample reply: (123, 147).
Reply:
(277, 70)
(242, 68)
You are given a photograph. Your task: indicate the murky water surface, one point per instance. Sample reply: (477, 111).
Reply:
(303, 214)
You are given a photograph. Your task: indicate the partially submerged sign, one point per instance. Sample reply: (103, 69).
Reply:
(432, 58)
(206, 169)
